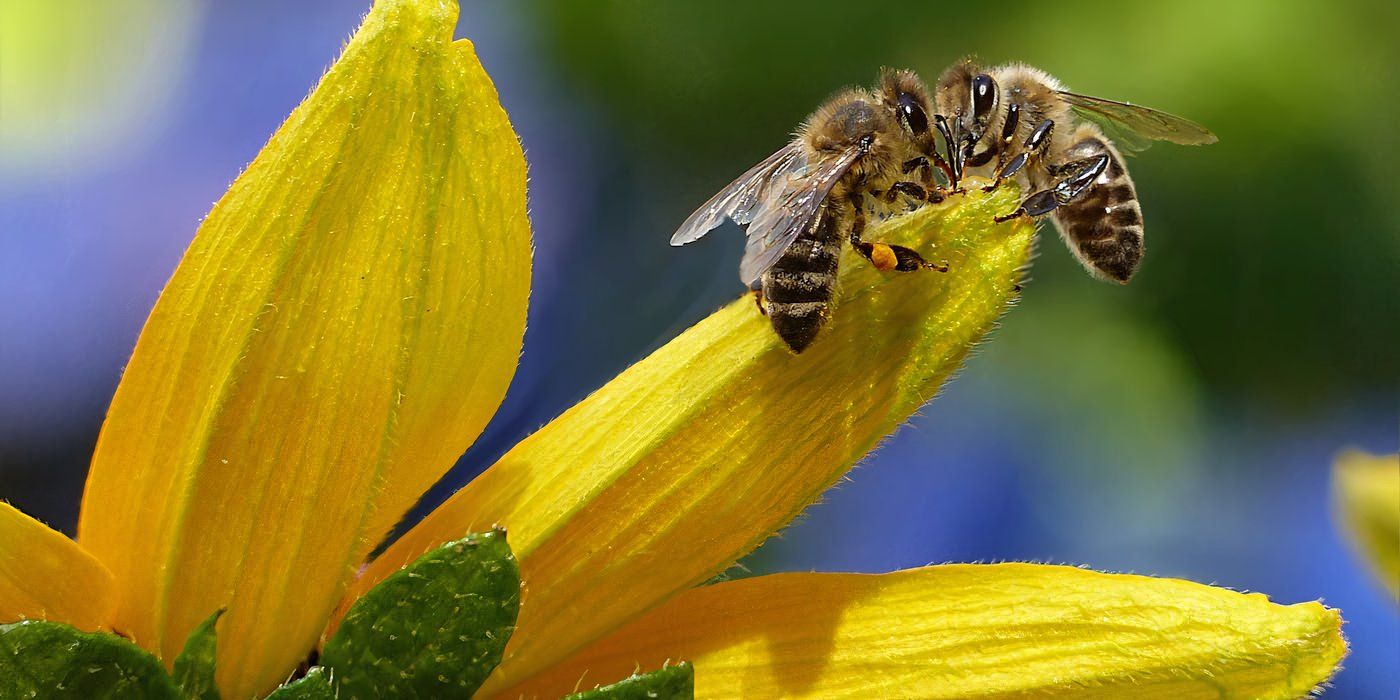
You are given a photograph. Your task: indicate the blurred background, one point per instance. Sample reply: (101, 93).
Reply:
(1181, 426)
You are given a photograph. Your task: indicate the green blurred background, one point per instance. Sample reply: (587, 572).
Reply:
(1182, 425)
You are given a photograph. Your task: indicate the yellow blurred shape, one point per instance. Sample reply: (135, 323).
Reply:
(1366, 492)
(80, 80)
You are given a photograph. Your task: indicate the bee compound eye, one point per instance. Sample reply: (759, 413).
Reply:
(912, 114)
(984, 96)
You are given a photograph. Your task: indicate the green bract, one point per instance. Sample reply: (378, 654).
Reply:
(435, 628)
(315, 685)
(194, 667)
(670, 683)
(53, 660)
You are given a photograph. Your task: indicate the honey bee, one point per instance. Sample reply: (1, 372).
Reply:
(1056, 144)
(862, 153)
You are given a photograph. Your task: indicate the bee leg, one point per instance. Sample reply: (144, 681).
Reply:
(943, 167)
(936, 192)
(912, 190)
(1079, 176)
(1034, 145)
(1038, 204)
(1008, 170)
(947, 169)
(1008, 134)
(923, 168)
(758, 301)
(952, 164)
(885, 256)
(916, 165)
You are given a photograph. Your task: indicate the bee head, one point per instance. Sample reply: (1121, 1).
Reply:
(969, 98)
(954, 89)
(906, 97)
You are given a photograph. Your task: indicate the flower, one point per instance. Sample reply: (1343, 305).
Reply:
(349, 316)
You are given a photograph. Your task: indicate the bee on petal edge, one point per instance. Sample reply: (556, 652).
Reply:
(875, 152)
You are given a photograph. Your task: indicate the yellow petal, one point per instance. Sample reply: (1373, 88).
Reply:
(692, 457)
(46, 576)
(343, 325)
(970, 631)
(1366, 489)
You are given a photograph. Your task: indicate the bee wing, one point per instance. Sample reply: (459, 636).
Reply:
(738, 200)
(781, 217)
(1133, 127)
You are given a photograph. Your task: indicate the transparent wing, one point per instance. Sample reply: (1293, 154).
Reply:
(1134, 128)
(777, 221)
(738, 200)
(1127, 141)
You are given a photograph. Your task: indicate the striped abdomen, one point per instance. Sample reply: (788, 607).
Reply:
(1103, 226)
(798, 288)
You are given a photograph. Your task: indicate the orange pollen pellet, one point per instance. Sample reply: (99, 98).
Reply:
(883, 257)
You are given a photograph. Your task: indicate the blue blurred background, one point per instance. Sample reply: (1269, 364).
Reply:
(1183, 425)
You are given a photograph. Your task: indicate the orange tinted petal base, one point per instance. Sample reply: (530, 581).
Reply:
(46, 576)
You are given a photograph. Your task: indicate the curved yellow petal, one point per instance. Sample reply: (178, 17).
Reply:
(694, 456)
(343, 325)
(46, 576)
(970, 631)
(1366, 489)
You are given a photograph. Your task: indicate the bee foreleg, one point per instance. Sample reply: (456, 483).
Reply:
(885, 256)
(1079, 176)
(924, 170)
(952, 165)
(1035, 143)
(1008, 170)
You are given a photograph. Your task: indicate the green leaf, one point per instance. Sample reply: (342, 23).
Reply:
(51, 660)
(435, 628)
(194, 667)
(315, 685)
(670, 683)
